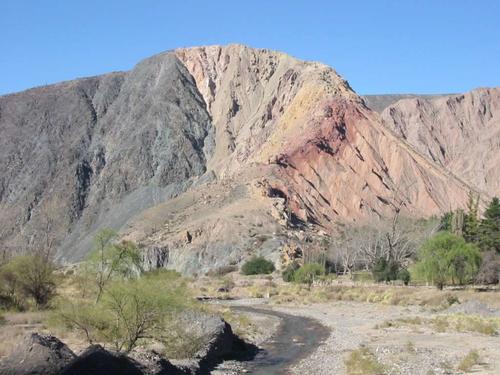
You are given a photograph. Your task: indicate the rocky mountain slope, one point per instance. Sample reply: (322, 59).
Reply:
(204, 155)
(460, 132)
(380, 102)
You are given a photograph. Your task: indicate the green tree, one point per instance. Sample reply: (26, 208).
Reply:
(26, 277)
(445, 222)
(489, 228)
(109, 259)
(471, 219)
(447, 258)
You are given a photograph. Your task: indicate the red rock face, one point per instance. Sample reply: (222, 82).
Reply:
(346, 166)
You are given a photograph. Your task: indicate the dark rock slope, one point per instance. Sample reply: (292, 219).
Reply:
(93, 152)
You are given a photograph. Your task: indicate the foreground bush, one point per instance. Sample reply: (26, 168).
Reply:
(257, 266)
(129, 311)
(26, 279)
(448, 259)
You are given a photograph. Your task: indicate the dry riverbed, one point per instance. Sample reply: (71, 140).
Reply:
(400, 344)
(403, 339)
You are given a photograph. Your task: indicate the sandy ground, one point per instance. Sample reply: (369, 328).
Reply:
(404, 350)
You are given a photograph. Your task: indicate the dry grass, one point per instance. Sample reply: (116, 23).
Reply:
(469, 361)
(363, 362)
(15, 326)
(449, 323)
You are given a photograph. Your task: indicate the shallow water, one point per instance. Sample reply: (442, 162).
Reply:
(296, 338)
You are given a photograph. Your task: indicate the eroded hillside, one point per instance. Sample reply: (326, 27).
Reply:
(205, 155)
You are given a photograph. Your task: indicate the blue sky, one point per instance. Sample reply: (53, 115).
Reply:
(433, 46)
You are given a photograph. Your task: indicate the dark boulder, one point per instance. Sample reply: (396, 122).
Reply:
(96, 360)
(37, 354)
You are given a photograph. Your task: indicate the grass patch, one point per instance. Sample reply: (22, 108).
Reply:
(363, 362)
(469, 361)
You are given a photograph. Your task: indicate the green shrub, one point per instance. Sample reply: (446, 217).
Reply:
(404, 276)
(257, 266)
(129, 311)
(308, 273)
(27, 278)
(447, 258)
(289, 272)
(384, 270)
(109, 260)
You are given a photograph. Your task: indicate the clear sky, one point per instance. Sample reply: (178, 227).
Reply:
(383, 46)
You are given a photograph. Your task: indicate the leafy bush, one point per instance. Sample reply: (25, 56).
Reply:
(308, 273)
(289, 272)
(257, 266)
(109, 259)
(404, 276)
(129, 311)
(447, 258)
(384, 270)
(26, 278)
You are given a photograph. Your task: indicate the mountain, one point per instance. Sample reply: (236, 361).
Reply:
(204, 156)
(459, 132)
(380, 102)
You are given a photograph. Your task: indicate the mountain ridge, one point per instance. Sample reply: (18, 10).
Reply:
(213, 135)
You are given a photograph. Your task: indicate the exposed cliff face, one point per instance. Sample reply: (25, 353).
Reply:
(459, 132)
(232, 148)
(90, 153)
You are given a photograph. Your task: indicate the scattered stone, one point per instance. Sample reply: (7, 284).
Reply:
(474, 308)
